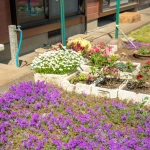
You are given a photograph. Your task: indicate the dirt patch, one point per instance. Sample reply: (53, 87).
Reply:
(110, 83)
(144, 89)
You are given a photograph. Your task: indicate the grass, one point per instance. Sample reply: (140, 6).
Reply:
(142, 34)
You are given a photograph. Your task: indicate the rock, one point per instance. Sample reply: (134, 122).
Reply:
(40, 51)
(78, 36)
(130, 17)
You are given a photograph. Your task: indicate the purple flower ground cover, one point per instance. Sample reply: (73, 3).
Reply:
(36, 116)
(137, 44)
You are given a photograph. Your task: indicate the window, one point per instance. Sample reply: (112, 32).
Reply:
(107, 4)
(71, 8)
(31, 10)
(31, 13)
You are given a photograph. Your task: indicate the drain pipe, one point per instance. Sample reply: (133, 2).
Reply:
(14, 47)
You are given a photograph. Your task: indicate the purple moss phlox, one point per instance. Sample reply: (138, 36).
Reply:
(89, 124)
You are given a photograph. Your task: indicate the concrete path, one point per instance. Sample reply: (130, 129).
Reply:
(11, 75)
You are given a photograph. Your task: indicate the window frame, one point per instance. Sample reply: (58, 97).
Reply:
(36, 22)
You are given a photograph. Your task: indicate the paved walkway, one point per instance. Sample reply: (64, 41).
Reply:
(11, 75)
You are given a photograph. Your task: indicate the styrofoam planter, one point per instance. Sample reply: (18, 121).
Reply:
(129, 75)
(136, 97)
(86, 69)
(114, 48)
(50, 78)
(105, 92)
(78, 88)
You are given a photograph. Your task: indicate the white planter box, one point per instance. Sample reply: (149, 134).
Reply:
(84, 69)
(78, 88)
(105, 92)
(114, 48)
(50, 78)
(135, 97)
(129, 75)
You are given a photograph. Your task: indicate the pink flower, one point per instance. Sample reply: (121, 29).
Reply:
(148, 63)
(107, 51)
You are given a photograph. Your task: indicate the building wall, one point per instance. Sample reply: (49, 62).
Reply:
(94, 8)
(30, 43)
(5, 20)
(34, 37)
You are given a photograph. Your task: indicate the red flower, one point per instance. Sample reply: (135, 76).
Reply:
(139, 76)
(89, 77)
(148, 63)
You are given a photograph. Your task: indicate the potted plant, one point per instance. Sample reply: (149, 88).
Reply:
(108, 83)
(127, 69)
(143, 52)
(80, 45)
(53, 66)
(78, 82)
(138, 87)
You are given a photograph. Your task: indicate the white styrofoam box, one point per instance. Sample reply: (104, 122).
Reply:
(105, 92)
(114, 48)
(84, 68)
(67, 86)
(1, 47)
(129, 75)
(50, 78)
(132, 96)
(78, 88)
(83, 88)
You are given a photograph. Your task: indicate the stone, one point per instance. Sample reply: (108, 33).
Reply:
(78, 36)
(130, 17)
(40, 51)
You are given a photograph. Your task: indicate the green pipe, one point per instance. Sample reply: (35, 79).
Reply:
(117, 17)
(29, 7)
(63, 25)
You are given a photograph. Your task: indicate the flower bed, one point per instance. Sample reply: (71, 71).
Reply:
(102, 89)
(38, 117)
(78, 82)
(127, 69)
(136, 97)
(52, 67)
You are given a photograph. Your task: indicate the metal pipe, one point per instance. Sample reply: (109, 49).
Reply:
(117, 26)
(29, 7)
(117, 17)
(63, 25)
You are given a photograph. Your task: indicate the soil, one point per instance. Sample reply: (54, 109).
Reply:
(86, 81)
(144, 89)
(112, 83)
(128, 55)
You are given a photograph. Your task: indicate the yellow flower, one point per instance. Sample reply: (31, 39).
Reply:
(79, 52)
(84, 43)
